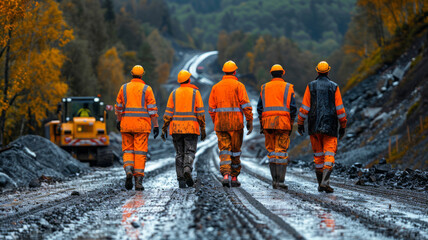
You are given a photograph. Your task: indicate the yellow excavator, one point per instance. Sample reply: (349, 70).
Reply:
(81, 130)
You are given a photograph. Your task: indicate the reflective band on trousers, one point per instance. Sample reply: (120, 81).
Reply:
(139, 170)
(235, 165)
(303, 115)
(329, 164)
(128, 151)
(278, 154)
(140, 153)
(276, 108)
(341, 115)
(128, 162)
(339, 107)
(319, 154)
(225, 163)
(233, 154)
(306, 107)
(329, 153)
(319, 165)
(278, 160)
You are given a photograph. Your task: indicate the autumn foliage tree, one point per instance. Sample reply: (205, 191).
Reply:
(110, 74)
(32, 36)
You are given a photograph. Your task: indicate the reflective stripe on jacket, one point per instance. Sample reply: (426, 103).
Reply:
(185, 111)
(228, 103)
(135, 105)
(323, 107)
(278, 107)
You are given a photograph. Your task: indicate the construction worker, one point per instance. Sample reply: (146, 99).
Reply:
(228, 103)
(184, 115)
(84, 111)
(277, 111)
(136, 113)
(323, 107)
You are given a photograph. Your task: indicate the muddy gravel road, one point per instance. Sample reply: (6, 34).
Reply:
(96, 205)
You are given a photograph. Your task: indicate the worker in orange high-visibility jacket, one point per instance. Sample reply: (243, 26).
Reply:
(277, 111)
(184, 115)
(323, 107)
(136, 113)
(228, 103)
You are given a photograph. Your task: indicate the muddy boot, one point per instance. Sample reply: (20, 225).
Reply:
(129, 170)
(181, 183)
(318, 172)
(226, 180)
(281, 170)
(272, 168)
(188, 176)
(325, 183)
(235, 182)
(139, 183)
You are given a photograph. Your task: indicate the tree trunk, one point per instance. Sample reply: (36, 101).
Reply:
(5, 90)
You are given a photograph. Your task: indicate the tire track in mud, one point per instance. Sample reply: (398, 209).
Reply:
(15, 220)
(384, 227)
(221, 209)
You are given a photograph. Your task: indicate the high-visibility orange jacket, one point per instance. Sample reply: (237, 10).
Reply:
(277, 107)
(135, 105)
(322, 105)
(228, 103)
(185, 112)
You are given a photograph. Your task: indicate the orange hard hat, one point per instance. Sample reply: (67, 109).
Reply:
(137, 70)
(229, 66)
(277, 67)
(323, 67)
(183, 76)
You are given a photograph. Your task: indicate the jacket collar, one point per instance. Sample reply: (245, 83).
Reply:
(188, 85)
(277, 79)
(138, 80)
(322, 77)
(229, 77)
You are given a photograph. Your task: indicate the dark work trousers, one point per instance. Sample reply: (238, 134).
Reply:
(185, 148)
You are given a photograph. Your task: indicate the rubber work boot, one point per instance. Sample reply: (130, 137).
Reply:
(235, 182)
(129, 170)
(318, 172)
(272, 168)
(139, 183)
(325, 183)
(226, 180)
(181, 183)
(281, 170)
(188, 177)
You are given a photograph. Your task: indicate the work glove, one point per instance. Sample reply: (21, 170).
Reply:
(249, 127)
(341, 133)
(118, 126)
(301, 129)
(164, 135)
(203, 134)
(155, 132)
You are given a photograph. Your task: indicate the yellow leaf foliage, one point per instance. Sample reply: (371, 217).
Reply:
(110, 74)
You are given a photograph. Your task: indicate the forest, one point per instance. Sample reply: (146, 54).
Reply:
(51, 49)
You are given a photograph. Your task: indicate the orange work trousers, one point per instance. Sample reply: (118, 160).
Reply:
(229, 144)
(135, 148)
(277, 142)
(324, 148)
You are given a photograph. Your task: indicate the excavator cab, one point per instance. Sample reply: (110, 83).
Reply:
(81, 130)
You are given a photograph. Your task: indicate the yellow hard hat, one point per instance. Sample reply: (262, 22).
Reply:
(323, 67)
(277, 67)
(229, 66)
(137, 70)
(183, 76)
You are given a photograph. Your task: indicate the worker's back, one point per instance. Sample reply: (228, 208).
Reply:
(322, 117)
